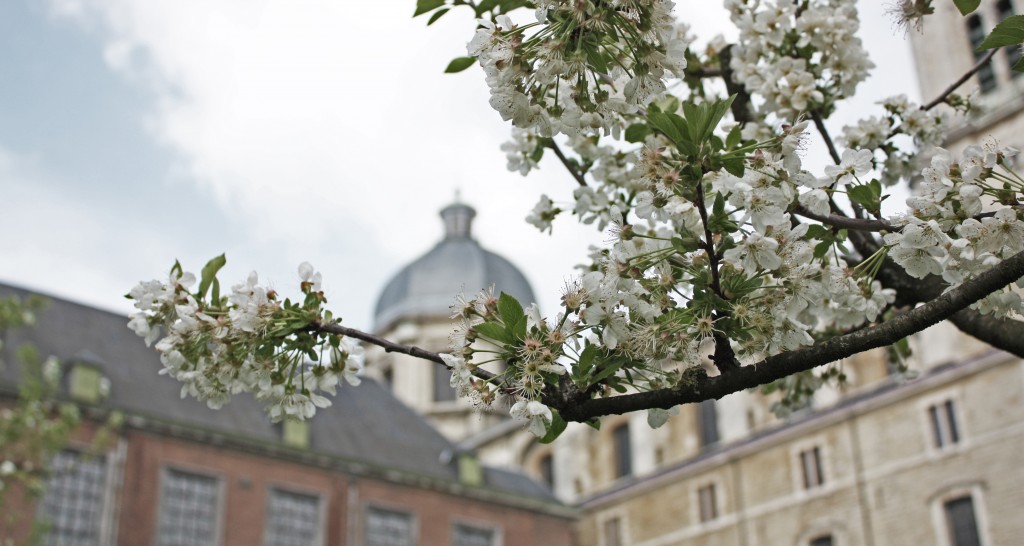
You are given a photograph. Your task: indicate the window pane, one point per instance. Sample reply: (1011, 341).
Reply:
(976, 34)
(73, 502)
(547, 471)
(613, 532)
(188, 509)
(963, 528)
(954, 434)
(623, 452)
(388, 528)
(1013, 54)
(292, 518)
(708, 506)
(933, 415)
(465, 535)
(708, 415)
(443, 390)
(810, 461)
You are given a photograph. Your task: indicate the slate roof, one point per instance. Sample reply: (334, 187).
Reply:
(366, 425)
(427, 286)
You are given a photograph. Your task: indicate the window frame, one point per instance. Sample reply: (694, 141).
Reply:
(796, 451)
(414, 521)
(219, 477)
(618, 515)
(106, 529)
(707, 421)
(716, 513)
(496, 528)
(987, 78)
(940, 521)
(622, 450)
(941, 401)
(812, 469)
(321, 499)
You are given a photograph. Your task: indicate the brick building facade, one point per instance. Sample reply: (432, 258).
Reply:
(367, 470)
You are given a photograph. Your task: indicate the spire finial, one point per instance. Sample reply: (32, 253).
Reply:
(458, 218)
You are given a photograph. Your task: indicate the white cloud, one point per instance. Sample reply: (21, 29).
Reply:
(327, 132)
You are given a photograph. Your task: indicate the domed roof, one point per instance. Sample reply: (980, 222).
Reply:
(427, 287)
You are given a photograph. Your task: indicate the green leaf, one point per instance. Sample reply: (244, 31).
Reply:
(734, 166)
(493, 331)
(586, 363)
(966, 6)
(607, 371)
(664, 124)
(718, 111)
(215, 294)
(423, 6)
(734, 138)
(867, 195)
(509, 309)
(459, 64)
(821, 249)
(637, 132)
(437, 15)
(1009, 32)
(686, 242)
(1019, 66)
(485, 6)
(597, 60)
(517, 330)
(555, 429)
(209, 273)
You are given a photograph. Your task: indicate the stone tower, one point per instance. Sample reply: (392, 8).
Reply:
(414, 309)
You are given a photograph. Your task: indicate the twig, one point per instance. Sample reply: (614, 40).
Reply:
(390, 346)
(704, 72)
(845, 222)
(949, 90)
(823, 131)
(568, 164)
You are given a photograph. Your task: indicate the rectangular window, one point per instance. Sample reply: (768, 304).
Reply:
(73, 503)
(547, 470)
(707, 503)
(443, 390)
(707, 415)
(1004, 8)
(467, 535)
(822, 541)
(810, 463)
(188, 509)
(963, 528)
(388, 528)
(292, 518)
(943, 420)
(976, 34)
(613, 532)
(623, 451)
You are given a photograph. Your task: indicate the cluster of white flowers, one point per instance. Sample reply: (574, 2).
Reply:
(248, 341)
(964, 219)
(565, 73)
(798, 56)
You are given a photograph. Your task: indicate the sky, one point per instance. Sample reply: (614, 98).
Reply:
(136, 133)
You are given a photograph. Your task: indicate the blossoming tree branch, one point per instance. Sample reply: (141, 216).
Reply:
(732, 264)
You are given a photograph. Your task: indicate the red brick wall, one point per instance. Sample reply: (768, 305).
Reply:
(246, 479)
